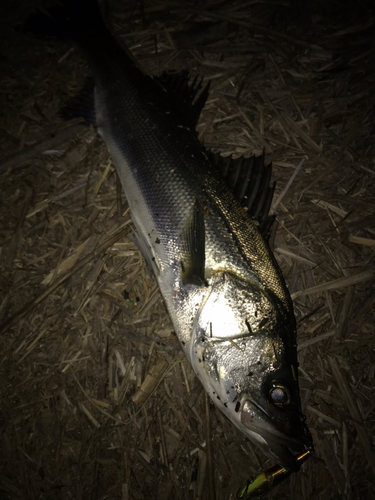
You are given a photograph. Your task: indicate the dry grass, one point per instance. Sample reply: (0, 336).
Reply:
(97, 400)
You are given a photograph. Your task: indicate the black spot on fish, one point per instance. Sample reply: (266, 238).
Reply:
(237, 408)
(157, 241)
(225, 404)
(218, 397)
(248, 326)
(263, 322)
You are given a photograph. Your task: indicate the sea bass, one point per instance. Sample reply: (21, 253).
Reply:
(219, 280)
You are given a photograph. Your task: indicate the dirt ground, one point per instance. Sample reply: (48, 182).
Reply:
(97, 399)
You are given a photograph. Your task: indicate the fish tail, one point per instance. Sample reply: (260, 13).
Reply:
(71, 20)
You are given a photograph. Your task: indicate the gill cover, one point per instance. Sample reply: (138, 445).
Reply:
(233, 330)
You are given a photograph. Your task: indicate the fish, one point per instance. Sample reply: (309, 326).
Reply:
(200, 222)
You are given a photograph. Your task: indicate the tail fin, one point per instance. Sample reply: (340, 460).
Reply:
(70, 20)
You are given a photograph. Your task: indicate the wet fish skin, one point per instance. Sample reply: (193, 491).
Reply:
(220, 282)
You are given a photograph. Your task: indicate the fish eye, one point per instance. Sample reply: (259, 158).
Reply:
(279, 395)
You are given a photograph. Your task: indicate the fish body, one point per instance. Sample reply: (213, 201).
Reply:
(220, 282)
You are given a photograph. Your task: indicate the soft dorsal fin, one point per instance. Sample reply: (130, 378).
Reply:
(249, 179)
(82, 105)
(187, 99)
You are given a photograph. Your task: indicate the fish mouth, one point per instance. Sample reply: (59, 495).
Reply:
(276, 444)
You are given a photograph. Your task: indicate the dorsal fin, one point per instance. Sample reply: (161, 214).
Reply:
(184, 97)
(249, 179)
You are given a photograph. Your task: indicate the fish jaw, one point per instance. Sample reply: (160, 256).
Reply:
(240, 354)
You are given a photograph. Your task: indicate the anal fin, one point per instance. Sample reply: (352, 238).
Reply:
(187, 97)
(82, 105)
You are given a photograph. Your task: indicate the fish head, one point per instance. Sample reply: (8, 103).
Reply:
(244, 352)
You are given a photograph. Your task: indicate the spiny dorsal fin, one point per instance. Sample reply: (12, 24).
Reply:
(82, 105)
(184, 97)
(249, 179)
(193, 247)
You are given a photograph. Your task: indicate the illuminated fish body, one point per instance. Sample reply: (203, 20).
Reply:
(220, 282)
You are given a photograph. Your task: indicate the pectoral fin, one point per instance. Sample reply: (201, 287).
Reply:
(193, 247)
